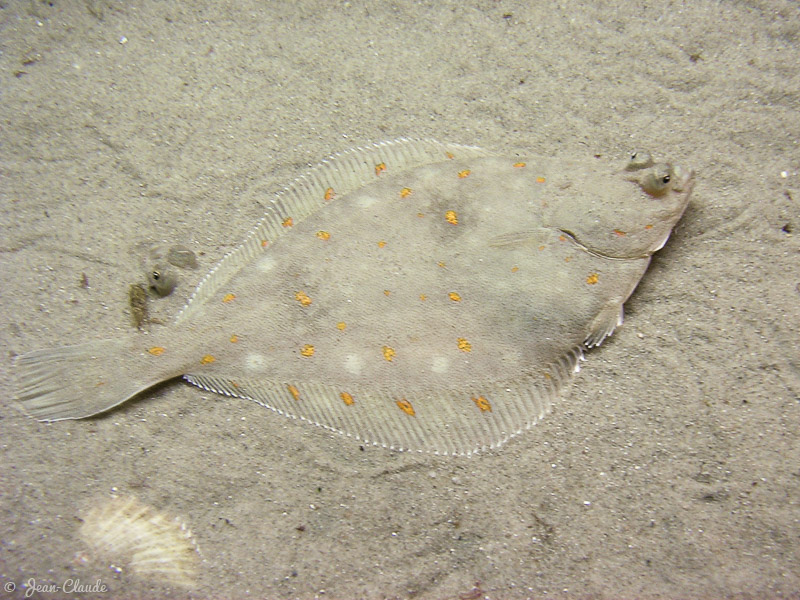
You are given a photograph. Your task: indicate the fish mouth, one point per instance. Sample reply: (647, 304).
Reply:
(684, 180)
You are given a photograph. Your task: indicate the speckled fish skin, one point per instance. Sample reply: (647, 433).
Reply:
(412, 294)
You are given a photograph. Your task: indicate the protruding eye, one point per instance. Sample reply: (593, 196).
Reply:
(639, 160)
(657, 180)
(162, 279)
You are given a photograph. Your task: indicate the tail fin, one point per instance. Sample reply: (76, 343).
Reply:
(73, 382)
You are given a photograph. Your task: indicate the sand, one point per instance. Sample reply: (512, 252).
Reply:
(670, 469)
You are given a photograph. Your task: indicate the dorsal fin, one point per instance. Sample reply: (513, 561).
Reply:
(343, 173)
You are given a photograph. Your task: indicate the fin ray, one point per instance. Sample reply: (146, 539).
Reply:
(529, 237)
(447, 422)
(74, 382)
(352, 169)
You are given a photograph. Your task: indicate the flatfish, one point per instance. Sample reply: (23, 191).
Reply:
(410, 294)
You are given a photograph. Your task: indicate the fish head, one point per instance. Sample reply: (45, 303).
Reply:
(625, 213)
(664, 194)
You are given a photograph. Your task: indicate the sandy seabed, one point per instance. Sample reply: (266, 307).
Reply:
(670, 469)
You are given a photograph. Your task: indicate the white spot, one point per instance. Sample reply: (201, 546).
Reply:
(365, 200)
(266, 264)
(255, 362)
(353, 364)
(440, 364)
(512, 357)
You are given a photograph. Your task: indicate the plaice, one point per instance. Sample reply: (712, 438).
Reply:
(411, 294)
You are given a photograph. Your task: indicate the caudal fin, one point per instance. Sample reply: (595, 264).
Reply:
(73, 382)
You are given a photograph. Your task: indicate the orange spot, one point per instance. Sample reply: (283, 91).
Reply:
(454, 297)
(423, 297)
(294, 391)
(406, 407)
(329, 194)
(156, 350)
(441, 264)
(228, 297)
(567, 259)
(540, 180)
(347, 399)
(592, 279)
(287, 222)
(451, 217)
(388, 353)
(234, 384)
(386, 292)
(648, 226)
(207, 360)
(380, 168)
(464, 173)
(381, 244)
(302, 298)
(307, 350)
(548, 376)
(234, 339)
(483, 404)
(464, 345)
(341, 325)
(323, 235)
(518, 165)
(541, 248)
(561, 238)
(406, 192)
(264, 243)
(514, 269)
(450, 155)
(619, 232)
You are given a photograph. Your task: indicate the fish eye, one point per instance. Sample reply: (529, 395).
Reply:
(162, 279)
(639, 160)
(656, 180)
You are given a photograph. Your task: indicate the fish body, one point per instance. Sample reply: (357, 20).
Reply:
(411, 294)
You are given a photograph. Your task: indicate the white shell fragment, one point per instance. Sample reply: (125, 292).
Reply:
(134, 536)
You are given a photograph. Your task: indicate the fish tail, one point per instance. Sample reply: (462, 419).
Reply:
(73, 382)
